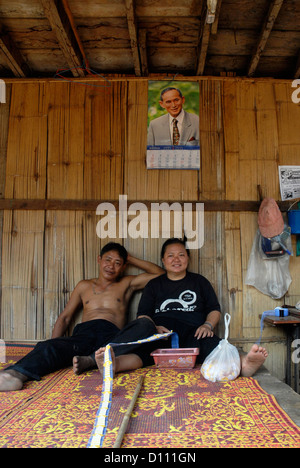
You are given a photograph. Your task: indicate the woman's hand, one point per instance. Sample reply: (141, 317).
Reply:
(204, 331)
(161, 330)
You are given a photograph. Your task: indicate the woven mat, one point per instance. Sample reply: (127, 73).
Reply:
(56, 412)
(176, 409)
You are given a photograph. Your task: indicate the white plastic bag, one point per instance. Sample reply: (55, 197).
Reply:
(270, 276)
(224, 362)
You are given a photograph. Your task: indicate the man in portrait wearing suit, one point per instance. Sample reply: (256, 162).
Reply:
(177, 127)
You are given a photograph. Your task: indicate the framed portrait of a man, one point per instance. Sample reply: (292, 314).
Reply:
(173, 136)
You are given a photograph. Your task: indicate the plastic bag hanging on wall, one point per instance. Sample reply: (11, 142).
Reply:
(268, 267)
(268, 275)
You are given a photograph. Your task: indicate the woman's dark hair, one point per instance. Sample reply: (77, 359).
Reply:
(116, 247)
(174, 240)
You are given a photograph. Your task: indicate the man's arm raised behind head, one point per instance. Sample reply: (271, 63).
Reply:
(152, 271)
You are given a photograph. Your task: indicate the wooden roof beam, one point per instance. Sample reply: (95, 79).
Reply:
(13, 57)
(214, 27)
(132, 28)
(273, 12)
(143, 51)
(62, 27)
(203, 48)
(206, 25)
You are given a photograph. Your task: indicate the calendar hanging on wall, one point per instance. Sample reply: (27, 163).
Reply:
(173, 140)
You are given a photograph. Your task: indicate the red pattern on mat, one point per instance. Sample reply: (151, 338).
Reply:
(175, 409)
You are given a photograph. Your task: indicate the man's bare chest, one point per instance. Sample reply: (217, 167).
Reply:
(111, 297)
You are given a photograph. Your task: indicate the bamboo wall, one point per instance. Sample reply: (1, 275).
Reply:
(66, 141)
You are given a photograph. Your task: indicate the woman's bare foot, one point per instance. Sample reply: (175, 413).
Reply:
(11, 381)
(82, 363)
(253, 360)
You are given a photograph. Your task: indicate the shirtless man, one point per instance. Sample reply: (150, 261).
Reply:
(104, 301)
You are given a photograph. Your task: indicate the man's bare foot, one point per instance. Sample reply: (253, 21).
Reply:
(82, 363)
(11, 381)
(253, 360)
(99, 356)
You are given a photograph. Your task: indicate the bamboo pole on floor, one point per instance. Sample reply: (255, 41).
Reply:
(127, 416)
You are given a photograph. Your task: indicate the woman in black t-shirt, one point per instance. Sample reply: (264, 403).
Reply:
(183, 302)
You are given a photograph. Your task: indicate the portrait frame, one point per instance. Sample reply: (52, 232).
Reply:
(162, 152)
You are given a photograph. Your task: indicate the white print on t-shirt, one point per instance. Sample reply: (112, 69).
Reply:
(186, 299)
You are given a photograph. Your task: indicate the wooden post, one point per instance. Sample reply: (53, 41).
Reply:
(4, 119)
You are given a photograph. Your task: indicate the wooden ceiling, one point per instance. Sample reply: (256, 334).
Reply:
(256, 38)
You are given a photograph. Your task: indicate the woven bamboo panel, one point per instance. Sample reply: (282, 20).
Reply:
(22, 311)
(251, 139)
(63, 261)
(65, 140)
(27, 144)
(105, 135)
